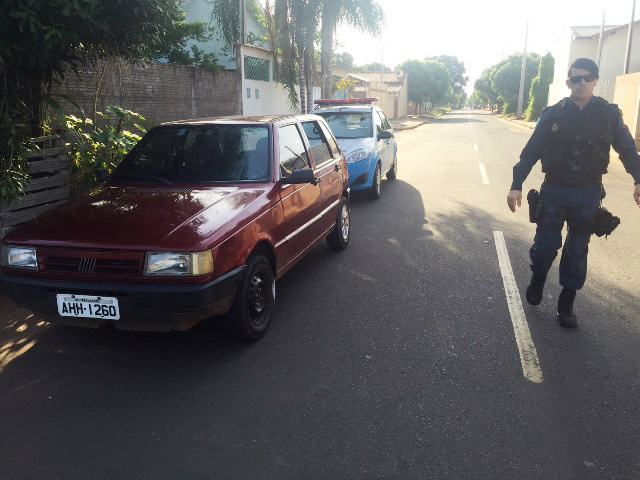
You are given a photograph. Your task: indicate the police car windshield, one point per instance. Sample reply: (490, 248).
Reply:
(349, 124)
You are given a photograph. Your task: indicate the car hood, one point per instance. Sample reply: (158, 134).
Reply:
(349, 145)
(146, 218)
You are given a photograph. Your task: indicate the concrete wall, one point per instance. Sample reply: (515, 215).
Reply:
(627, 96)
(160, 91)
(271, 98)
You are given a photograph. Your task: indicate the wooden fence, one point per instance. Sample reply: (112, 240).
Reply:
(48, 187)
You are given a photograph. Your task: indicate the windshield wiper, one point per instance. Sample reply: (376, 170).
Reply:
(126, 174)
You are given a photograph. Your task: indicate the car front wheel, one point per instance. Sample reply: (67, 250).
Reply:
(250, 314)
(339, 237)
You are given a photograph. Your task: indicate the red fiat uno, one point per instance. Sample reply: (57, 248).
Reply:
(199, 219)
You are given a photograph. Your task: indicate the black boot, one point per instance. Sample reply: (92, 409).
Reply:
(566, 317)
(534, 290)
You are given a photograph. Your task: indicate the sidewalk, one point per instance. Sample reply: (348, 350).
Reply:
(410, 122)
(523, 123)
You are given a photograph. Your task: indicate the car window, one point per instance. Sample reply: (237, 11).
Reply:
(378, 122)
(319, 146)
(349, 124)
(333, 145)
(293, 155)
(385, 123)
(216, 153)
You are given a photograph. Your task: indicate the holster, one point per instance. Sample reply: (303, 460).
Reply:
(535, 205)
(604, 222)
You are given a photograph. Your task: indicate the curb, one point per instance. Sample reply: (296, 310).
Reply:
(399, 129)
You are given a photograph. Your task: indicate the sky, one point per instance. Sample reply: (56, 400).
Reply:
(480, 33)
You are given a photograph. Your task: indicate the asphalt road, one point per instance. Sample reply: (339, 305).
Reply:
(396, 358)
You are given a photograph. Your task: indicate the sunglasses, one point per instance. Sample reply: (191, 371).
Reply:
(589, 77)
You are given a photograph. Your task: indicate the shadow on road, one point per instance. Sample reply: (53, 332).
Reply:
(394, 358)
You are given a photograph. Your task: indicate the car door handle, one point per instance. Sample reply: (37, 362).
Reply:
(338, 167)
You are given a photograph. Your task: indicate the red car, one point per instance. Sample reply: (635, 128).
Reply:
(199, 219)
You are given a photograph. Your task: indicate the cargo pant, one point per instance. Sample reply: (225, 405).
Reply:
(576, 206)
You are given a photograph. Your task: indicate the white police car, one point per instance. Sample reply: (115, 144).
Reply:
(366, 138)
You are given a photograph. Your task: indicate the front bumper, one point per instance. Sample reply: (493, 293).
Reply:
(143, 307)
(360, 173)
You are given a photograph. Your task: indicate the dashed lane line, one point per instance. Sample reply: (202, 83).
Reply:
(528, 354)
(483, 174)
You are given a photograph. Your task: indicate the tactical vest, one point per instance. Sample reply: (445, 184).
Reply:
(572, 149)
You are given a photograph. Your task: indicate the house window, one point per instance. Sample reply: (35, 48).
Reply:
(248, 93)
(257, 94)
(256, 69)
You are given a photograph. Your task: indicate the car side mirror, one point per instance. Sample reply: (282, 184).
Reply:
(304, 175)
(385, 135)
(102, 174)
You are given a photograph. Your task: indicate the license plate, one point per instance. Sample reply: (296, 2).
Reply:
(88, 306)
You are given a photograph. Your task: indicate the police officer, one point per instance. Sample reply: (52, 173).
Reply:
(572, 140)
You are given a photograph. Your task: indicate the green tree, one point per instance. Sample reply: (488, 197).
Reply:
(505, 80)
(42, 40)
(428, 81)
(539, 92)
(365, 15)
(343, 60)
(372, 67)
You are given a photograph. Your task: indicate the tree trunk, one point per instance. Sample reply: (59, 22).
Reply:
(310, 65)
(301, 75)
(327, 57)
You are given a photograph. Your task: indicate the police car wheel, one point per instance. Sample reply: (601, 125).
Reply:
(374, 191)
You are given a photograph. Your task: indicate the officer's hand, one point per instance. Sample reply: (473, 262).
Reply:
(636, 194)
(515, 197)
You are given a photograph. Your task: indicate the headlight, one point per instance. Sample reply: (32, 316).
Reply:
(357, 156)
(167, 263)
(19, 257)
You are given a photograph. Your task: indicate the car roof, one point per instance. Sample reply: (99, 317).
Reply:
(346, 108)
(231, 119)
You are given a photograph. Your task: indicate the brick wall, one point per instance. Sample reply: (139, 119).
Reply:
(159, 91)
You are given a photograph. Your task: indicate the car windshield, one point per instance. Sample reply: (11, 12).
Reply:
(196, 153)
(349, 124)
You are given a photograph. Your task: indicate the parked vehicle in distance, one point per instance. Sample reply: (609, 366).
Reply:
(199, 219)
(366, 137)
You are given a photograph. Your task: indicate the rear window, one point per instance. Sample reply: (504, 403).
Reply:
(195, 153)
(349, 124)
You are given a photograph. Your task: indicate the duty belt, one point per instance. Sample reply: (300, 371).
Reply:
(572, 181)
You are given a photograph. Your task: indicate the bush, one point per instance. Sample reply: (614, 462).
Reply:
(94, 147)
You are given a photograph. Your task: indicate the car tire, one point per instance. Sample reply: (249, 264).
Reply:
(374, 191)
(250, 314)
(339, 237)
(393, 171)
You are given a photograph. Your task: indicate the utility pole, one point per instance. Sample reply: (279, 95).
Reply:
(522, 73)
(601, 40)
(628, 55)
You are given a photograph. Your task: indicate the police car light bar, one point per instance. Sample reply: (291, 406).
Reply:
(345, 101)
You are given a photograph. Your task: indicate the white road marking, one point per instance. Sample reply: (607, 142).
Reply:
(528, 354)
(483, 173)
(475, 147)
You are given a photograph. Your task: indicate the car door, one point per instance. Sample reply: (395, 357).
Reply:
(301, 203)
(383, 145)
(392, 141)
(328, 168)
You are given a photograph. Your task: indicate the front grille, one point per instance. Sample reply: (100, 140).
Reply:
(90, 265)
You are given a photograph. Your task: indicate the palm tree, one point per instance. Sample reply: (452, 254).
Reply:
(365, 15)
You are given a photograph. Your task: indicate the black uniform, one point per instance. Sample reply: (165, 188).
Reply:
(573, 146)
